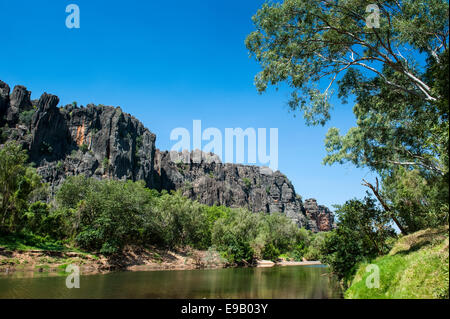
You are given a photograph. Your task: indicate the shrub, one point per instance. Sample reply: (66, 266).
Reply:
(59, 165)
(174, 220)
(84, 148)
(235, 234)
(36, 218)
(315, 243)
(109, 215)
(25, 117)
(270, 252)
(247, 182)
(105, 163)
(362, 232)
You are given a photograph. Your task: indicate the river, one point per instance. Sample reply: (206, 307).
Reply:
(289, 282)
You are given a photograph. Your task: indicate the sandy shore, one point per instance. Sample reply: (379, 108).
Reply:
(299, 263)
(268, 263)
(131, 259)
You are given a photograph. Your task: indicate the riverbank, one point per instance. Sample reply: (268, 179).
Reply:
(131, 259)
(416, 267)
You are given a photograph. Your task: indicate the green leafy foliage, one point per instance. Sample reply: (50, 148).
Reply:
(419, 200)
(24, 240)
(84, 148)
(362, 233)
(106, 164)
(106, 214)
(18, 182)
(237, 235)
(243, 236)
(301, 42)
(247, 182)
(26, 116)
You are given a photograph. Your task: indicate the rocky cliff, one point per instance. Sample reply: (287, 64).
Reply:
(203, 177)
(321, 217)
(96, 141)
(104, 142)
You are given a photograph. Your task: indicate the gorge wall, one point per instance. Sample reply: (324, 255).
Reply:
(104, 142)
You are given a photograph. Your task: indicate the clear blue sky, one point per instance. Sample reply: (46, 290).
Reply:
(168, 63)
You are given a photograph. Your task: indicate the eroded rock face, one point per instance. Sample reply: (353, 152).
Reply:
(4, 99)
(97, 141)
(319, 216)
(19, 101)
(104, 142)
(203, 177)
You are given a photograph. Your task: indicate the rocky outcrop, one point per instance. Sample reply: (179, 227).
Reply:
(4, 99)
(203, 177)
(19, 102)
(104, 142)
(97, 141)
(320, 217)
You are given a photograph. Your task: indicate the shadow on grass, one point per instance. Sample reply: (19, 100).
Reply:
(418, 240)
(26, 241)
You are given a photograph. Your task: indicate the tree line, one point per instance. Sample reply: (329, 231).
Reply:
(104, 216)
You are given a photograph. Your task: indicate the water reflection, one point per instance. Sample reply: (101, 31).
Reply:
(276, 282)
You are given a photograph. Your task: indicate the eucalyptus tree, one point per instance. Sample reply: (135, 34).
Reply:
(390, 57)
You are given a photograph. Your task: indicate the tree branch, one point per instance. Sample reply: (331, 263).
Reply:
(375, 190)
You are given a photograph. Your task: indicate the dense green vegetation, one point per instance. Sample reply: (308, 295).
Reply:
(19, 184)
(397, 76)
(28, 241)
(363, 233)
(106, 215)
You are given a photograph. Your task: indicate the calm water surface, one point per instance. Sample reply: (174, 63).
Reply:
(275, 282)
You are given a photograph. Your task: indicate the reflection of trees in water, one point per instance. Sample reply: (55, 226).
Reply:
(289, 282)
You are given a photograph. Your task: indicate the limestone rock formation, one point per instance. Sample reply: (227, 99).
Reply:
(203, 177)
(320, 217)
(19, 101)
(104, 142)
(4, 99)
(98, 141)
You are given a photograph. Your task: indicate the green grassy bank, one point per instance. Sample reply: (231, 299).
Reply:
(416, 267)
